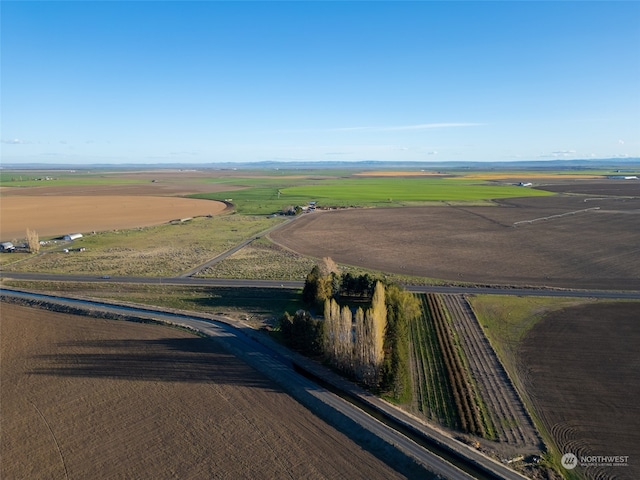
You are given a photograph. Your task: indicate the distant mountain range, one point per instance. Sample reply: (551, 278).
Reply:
(622, 164)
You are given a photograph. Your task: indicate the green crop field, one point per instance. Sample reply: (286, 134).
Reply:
(389, 190)
(265, 196)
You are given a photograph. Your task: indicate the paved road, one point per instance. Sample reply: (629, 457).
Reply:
(280, 369)
(294, 284)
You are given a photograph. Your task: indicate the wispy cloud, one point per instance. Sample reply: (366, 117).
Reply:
(559, 153)
(16, 141)
(185, 153)
(396, 128)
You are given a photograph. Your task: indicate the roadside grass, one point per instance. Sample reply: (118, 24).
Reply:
(132, 251)
(264, 260)
(257, 306)
(10, 258)
(163, 250)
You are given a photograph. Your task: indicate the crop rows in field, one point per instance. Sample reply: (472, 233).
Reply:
(464, 393)
(444, 390)
(503, 413)
(432, 389)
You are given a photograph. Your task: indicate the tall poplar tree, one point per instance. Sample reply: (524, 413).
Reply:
(378, 328)
(359, 347)
(344, 334)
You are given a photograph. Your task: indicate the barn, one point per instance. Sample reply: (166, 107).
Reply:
(72, 236)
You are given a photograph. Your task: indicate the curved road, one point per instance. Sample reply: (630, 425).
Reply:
(280, 369)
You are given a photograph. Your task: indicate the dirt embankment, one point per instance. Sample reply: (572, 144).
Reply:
(95, 398)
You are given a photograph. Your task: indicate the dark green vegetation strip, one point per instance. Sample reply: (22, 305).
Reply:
(433, 390)
(443, 388)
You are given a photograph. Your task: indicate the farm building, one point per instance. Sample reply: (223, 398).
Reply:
(72, 236)
(7, 247)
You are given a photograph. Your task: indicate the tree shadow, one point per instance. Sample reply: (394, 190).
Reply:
(194, 360)
(258, 301)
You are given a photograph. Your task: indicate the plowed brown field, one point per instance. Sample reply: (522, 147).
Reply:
(92, 398)
(60, 215)
(580, 369)
(559, 241)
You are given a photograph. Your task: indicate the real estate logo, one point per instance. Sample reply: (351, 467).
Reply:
(569, 461)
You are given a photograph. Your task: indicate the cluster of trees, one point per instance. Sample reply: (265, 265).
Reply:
(403, 307)
(370, 344)
(355, 344)
(291, 210)
(302, 332)
(326, 282)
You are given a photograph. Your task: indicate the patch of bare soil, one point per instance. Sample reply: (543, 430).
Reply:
(93, 398)
(619, 188)
(559, 241)
(60, 215)
(580, 369)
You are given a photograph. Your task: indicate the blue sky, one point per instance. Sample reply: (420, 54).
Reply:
(159, 81)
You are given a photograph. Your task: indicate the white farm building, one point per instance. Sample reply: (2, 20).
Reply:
(72, 236)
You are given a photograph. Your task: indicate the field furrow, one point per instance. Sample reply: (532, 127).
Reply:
(431, 383)
(464, 392)
(506, 412)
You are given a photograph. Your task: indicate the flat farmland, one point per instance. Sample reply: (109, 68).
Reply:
(579, 367)
(92, 398)
(59, 215)
(559, 241)
(616, 188)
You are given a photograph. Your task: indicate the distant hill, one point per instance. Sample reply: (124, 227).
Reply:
(623, 164)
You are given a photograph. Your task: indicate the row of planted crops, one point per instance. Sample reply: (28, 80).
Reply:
(443, 387)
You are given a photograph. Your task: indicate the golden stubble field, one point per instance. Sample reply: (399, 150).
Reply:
(60, 215)
(93, 398)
